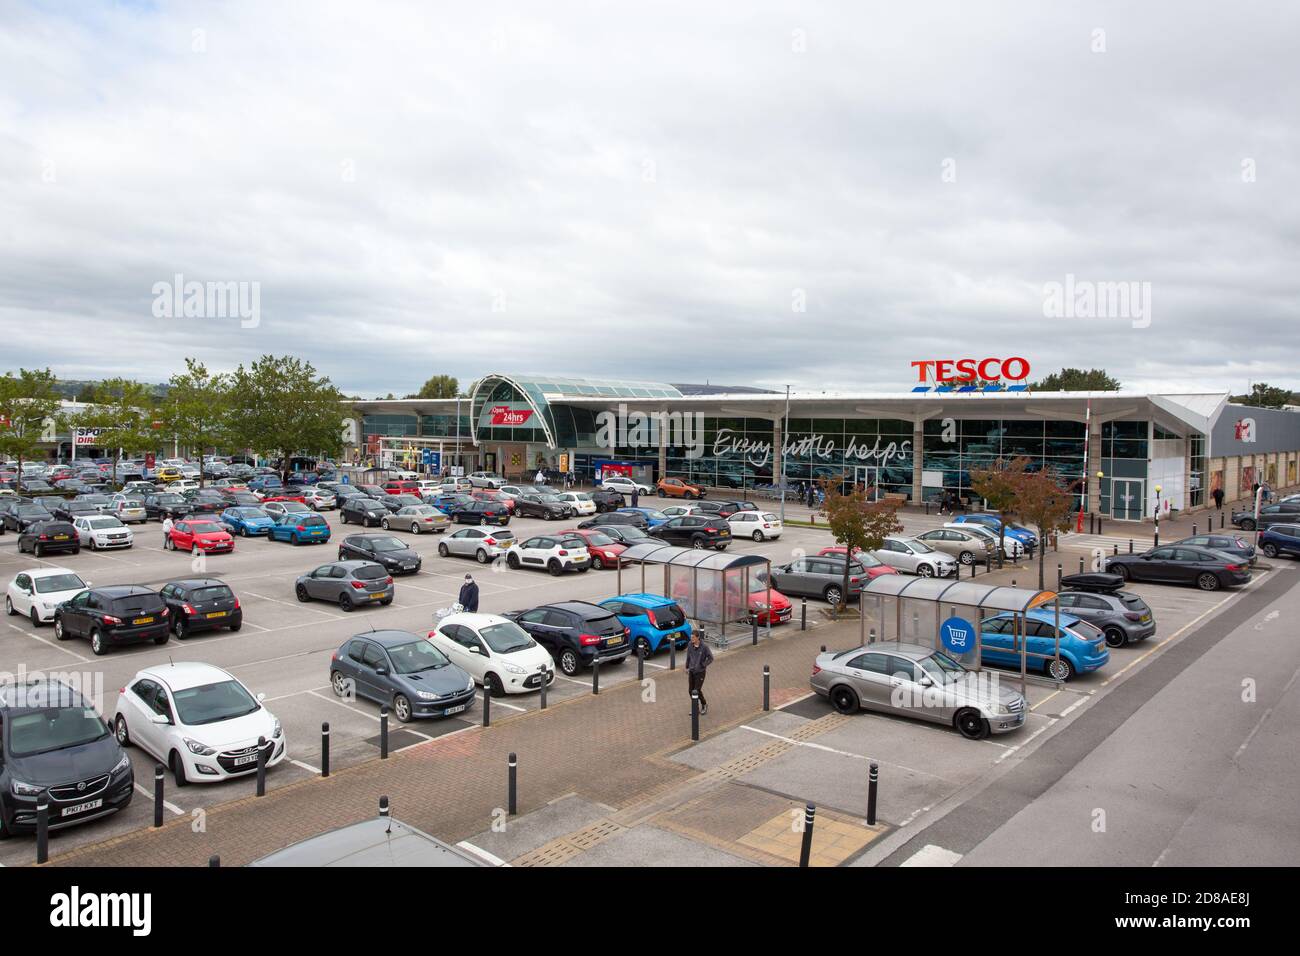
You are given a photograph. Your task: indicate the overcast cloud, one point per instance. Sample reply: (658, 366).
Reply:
(650, 190)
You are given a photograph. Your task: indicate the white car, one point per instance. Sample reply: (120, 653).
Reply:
(403, 473)
(677, 511)
(915, 557)
(319, 499)
(1014, 549)
(758, 525)
(183, 484)
(102, 532)
(555, 553)
(451, 486)
(198, 720)
(426, 488)
(486, 479)
(129, 509)
(37, 592)
(495, 651)
(579, 501)
(277, 508)
(624, 485)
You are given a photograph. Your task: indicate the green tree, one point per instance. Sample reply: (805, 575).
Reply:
(280, 406)
(196, 409)
(1263, 395)
(88, 394)
(999, 486)
(439, 386)
(124, 416)
(1077, 380)
(1045, 501)
(856, 523)
(28, 402)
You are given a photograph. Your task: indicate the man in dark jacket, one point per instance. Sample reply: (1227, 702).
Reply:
(698, 659)
(1217, 494)
(468, 598)
(636, 495)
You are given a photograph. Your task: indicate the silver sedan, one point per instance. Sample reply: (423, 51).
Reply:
(482, 544)
(915, 557)
(416, 518)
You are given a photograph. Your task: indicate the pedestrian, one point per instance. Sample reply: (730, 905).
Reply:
(1217, 495)
(539, 478)
(167, 529)
(468, 597)
(1268, 492)
(636, 495)
(698, 659)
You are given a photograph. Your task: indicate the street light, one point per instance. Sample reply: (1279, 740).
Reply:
(1158, 490)
(784, 426)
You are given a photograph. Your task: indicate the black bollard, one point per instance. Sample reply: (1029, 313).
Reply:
(214, 862)
(823, 648)
(805, 850)
(513, 763)
(640, 662)
(487, 706)
(1193, 529)
(261, 766)
(1081, 565)
(767, 687)
(803, 614)
(1130, 545)
(383, 733)
(43, 829)
(157, 794)
(1115, 551)
(542, 688)
(595, 674)
(383, 808)
(325, 749)
(672, 653)
(1058, 575)
(695, 715)
(873, 781)
(755, 642)
(1099, 524)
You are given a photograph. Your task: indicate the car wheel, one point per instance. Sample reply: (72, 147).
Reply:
(163, 638)
(345, 602)
(642, 646)
(36, 618)
(339, 684)
(493, 684)
(832, 595)
(597, 562)
(301, 592)
(699, 542)
(481, 556)
(662, 493)
(1115, 637)
(971, 724)
(925, 571)
(555, 568)
(178, 768)
(93, 545)
(483, 522)
(443, 550)
(60, 632)
(97, 644)
(9, 606)
(569, 662)
(1270, 550)
(1061, 670)
(243, 531)
(181, 628)
(236, 627)
(343, 518)
(384, 524)
(402, 708)
(1208, 582)
(415, 527)
(1122, 570)
(758, 536)
(120, 732)
(512, 561)
(37, 550)
(966, 558)
(1248, 524)
(844, 699)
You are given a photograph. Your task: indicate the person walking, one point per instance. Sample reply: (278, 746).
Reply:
(1217, 495)
(698, 659)
(636, 495)
(168, 524)
(468, 597)
(539, 478)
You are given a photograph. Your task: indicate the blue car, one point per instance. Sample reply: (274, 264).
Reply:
(265, 484)
(447, 503)
(652, 515)
(304, 478)
(299, 527)
(994, 524)
(247, 522)
(1280, 539)
(1083, 646)
(652, 619)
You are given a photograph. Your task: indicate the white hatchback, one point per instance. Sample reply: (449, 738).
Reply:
(102, 532)
(758, 525)
(37, 592)
(555, 553)
(579, 501)
(498, 653)
(624, 485)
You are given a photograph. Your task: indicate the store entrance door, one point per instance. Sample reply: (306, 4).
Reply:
(867, 477)
(1126, 499)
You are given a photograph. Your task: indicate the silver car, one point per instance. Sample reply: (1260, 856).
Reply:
(128, 510)
(960, 542)
(320, 499)
(349, 584)
(1013, 549)
(482, 544)
(915, 557)
(917, 681)
(417, 518)
(486, 479)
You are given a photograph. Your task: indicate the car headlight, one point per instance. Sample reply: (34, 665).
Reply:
(469, 684)
(278, 729)
(1001, 710)
(425, 695)
(121, 764)
(199, 748)
(515, 669)
(21, 789)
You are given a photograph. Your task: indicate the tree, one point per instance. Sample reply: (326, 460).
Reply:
(440, 386)
(856, 523)
(1046, 502)
(196, 408)
(280, 406)
(88, 394)
(999, 486)
(1263, 395)
(124, 417)
(1077, 380)
(28, 401)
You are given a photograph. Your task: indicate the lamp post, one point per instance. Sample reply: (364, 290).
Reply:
(1100, 475)
(784, 425)
(1158, 490)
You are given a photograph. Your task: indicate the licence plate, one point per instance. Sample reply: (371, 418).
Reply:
(454, 710)
(1146, 618)
(724, 534)
(82, 807)
(215, 614)
(246, 759)
(375, 597)
(578, 560)
(142, 620)
(611, 641)
(60, 537)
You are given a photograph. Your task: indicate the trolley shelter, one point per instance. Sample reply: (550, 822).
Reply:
(713, 588)
(949, 615)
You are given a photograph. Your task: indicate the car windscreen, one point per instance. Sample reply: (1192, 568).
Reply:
(574, 541)
(605, 625)
(248, 513)
(130, 503)
(53, 728)
(386, 544)
(135, 603)
(25, 511)
(1086, 631)
(211, 703)
(309, 520)
(58, 582)
(599, 539)
(104, 523)
(169, 499)
(370, 572)
(1133, 602)
(205, 527)
(216, 592)
(942, 668)
(920, 547)
(417, 656)
(506, 637)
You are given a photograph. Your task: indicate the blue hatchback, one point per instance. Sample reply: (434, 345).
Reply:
(298, 527)
(652, 515)
(651, 619)
(994, 524)
(1280, 539)
(247, 521)
(1083, 647)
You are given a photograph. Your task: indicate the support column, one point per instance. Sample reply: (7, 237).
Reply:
(918, 459)
(778, 460)
(1094, 465)
(662, 430)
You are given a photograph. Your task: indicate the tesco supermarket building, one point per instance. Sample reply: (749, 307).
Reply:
(913, 444)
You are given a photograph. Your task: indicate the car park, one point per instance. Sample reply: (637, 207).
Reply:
(482, 545)
(555, 553)
(916, 681)
(914, 556)
(57, 750)
(201, 604)
(363, 511)
(1209, 570)
(349, 584)
(478, 512)
(1082, 646)
(199, 536)
(652, 620)
(300, 527)
(624, 485)
(199, 721)
(38, 592)
(486, 479)
(112, 616)
(1280, 540)
(546, 506)
(129, 510)
(417, 519)
(103, 532)
(603, 550)
(383, 549)
(963, 544)
(1121, 616)
(495, 651)
(1233, 544)
(758, 525)
(694, 531)
(247, 521)
(1284, 512)
(401, 670)
(677, 488)
(576, 633)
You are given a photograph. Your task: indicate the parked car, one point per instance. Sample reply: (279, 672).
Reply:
(38, 592)
(482, 545)
(728, 508)
(874, 566)
(401, 670)
(22, 516)
(915, 557)
(201, 604)
(694, 531)
(129, 510)
(277, 509)
(111, 616)
(166, 505)
(542, 506)
(1122, 616)
(964, 545)
(634, 519)
(247, 522)
(624, 485)
(417, 519)
(495, 651)
(56, 749)
(447, 503)
(1284, 512)
(625, 534)
(486, 479)
(1183, 564)
(676, 511)
(1280, 539)
(820, 576)
(319, 499)
(48, 537)
(653, 516)
(916, 681)
(603, 550)
(1010, 548)
(72, 510)
(759, 525)
(478, 512)
(382, 549)
(101, 503)
(349, 584)
(243, 499)
(1024, 535)
(263, 485)
(606, 500)
(300, 527)
(495, 497)
(199, 535)
(208, 501)
(576, 633)
(1232, 544)
(198, 720)
(451, 486)
(677, 488)
(363, 511)
(555, 553)
(652, 620)
(103, 532)
(1083, 648)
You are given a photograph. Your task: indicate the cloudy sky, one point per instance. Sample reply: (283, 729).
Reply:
(760, 193)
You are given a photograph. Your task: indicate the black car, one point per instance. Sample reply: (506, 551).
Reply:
(406, 500)
(72, 510)
(623, 533)
(55, 749)
(121, 614)
(1182, 564)
(694, 531)
(633, 519)
(606, 500)
(541, 506)
(22, 516)
(576, 633)
(201, 604)
(728, 508)
(207, 502)
(391, 503)
(363, 511)
(35, 486)
(48, 537)
(166, 504)
(1284, 512)
(100, 501)
(383, 549)
(403, 670)
(345, 493)
(373, 491)
(1233, 544)
(474, 511)
(243, 499)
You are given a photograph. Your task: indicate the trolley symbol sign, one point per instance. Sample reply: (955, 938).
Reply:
(957, 635)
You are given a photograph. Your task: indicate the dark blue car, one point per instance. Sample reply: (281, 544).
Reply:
(651, 619)
(1280, 539)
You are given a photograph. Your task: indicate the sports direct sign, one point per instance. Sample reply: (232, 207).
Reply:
(86, 437)
(960, 375)
(509, 415)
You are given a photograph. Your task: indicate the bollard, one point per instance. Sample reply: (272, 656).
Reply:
(261, 766)
(695, 715)
(755, 641)
(595, 674)
(157, 794)
(672, 654)
(487, 706)
(542, 690)
(1193, 529)
(873, 781)
(1130, 545)
(1115, 551)
(383, 808)
(1156, 541)
(803, 614)
(1081, 565)
(767, 687)
(1099, 524)
(383, 733)
(325, 749)
(513, 762)
(1058, 575)
(640, 661)
(43, 830)
(214, 862)
(823, 648)
(805, 850)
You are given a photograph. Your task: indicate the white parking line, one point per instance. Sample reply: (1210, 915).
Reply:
(297, 604)
(481, 853)
(166, 803)
(49, 643)
(932, 855)
(305, 766)
(355, 710)
(841, 753)
(1010, 750)
(502, 703)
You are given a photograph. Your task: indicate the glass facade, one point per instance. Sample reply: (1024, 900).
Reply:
(396, 426)
(957, 447)
(1124, 459)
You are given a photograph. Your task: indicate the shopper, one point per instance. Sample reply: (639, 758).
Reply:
(539, 478)
(698, 659)
(167, 529)
(636, 495)
(1217, 495)
(468, 597)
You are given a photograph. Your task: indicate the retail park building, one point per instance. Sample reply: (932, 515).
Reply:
(1134, 447)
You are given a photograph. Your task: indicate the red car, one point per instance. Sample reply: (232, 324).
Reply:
(603, 549)
(402, 486)
(199, 534)
(495, 497)
(286, 495)
(760, 597)
(875, 567)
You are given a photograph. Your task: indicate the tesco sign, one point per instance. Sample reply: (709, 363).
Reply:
(1013, 369)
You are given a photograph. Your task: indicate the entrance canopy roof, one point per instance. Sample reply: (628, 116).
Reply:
(990, 597)
(704, 558)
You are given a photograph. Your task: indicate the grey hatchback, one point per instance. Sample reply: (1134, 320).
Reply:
(1121, 616)
(347, 583)
(402, 670)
